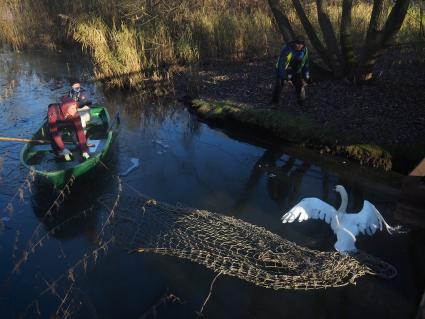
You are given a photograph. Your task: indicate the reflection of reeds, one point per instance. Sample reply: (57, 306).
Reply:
(112, 211)
(15, 246)
(65, 295)
(31, 247)
(54, 230)
(162, 302)
(64, 311)
(20, 192)
(7, 92)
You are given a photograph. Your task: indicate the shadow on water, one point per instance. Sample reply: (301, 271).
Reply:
(73, 216)
(72, 210)
(223, 169)
(284, 174)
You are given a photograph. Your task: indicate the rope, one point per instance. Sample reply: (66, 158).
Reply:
(233, 247)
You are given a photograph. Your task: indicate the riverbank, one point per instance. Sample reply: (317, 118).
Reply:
(381, 125)
(301, 130)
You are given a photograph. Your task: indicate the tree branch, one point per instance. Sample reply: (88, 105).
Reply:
(329, 36)
(378, 41)
(282, 21)
(314, 39)
(347, 50)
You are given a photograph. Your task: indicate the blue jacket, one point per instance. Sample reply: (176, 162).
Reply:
(80, 97)
(293, 62)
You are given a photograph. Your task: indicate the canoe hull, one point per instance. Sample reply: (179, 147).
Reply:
(41, 160)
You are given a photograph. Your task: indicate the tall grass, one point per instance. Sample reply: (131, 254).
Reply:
(11, 25)
(131, 40)
(115, 52)
(26, 24)
(142, 49)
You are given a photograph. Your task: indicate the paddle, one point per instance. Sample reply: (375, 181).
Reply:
(117, 121)
(26, 140)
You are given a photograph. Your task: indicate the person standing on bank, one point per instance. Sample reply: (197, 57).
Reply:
(292, 69)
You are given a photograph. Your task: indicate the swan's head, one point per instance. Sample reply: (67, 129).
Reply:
(340, 189)
(344, 198)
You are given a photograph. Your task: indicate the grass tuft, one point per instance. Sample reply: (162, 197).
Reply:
(295, 129)
(133, 40)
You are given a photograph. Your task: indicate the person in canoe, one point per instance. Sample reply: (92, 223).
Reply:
(292, 68)
(79, 95)
(65, 115)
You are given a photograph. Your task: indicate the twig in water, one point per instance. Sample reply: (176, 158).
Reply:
(161, 302)
(209, 294)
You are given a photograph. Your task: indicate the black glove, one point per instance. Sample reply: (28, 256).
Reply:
(84, 103)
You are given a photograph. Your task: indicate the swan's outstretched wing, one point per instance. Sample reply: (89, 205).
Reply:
(310, 208)
(369, 220)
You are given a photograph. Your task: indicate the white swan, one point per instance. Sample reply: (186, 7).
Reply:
(345, 226)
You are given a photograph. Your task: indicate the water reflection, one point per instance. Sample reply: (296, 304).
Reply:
(76, 214)
(224, 170)
(284, 175)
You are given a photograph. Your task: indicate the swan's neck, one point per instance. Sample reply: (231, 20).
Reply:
(344, 201)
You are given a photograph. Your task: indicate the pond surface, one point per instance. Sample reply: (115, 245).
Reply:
(182, 162)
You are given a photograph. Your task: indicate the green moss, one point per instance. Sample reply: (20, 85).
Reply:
(371, 155)
(296, 129)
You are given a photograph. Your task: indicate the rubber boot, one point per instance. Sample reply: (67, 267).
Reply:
(276, 92)
(301, 96)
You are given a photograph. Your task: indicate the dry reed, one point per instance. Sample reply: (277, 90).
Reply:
(131, 41)
(63, 286)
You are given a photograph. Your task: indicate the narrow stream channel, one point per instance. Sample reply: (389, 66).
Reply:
(182, 161)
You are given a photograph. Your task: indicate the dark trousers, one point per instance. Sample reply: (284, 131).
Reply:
(299, 88)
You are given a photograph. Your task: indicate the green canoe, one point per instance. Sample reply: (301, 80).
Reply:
(41, 159)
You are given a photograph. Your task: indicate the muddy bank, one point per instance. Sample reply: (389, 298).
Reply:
(388, 116)
(297, 129)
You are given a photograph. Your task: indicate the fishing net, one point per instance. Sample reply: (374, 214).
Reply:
(231, 246)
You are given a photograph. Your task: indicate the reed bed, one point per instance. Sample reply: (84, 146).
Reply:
(131, 41)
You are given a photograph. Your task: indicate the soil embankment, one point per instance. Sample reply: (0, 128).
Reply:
(382, 125)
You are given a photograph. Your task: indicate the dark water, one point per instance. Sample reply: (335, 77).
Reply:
(232, 172)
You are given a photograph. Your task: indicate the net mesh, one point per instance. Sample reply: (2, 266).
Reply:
(231, 246)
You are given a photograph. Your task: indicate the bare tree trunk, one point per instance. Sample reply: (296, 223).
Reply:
(378, 39)
(394, 22)
(342, 61)
(329, 36)
(376, 23)
(281, 20)
(347, 50)
(422, 17)
(371, 42)
(314, 39)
